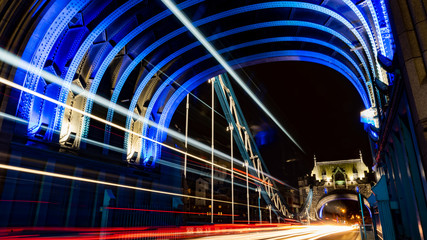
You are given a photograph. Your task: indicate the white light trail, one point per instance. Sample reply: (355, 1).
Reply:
(16, 61)
(19, 87)
(199, 36)
(298, 233)
(88, 180)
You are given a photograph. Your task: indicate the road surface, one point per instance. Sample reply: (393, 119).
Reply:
(298, 233)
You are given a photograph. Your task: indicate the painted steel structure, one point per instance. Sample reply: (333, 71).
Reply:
(142, 46)
(139, 57)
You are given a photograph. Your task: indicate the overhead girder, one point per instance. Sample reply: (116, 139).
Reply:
(359, 85)
(176, 98)
(148, 45)
(159, 91)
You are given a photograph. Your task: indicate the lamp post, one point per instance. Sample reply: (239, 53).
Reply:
(258, 189)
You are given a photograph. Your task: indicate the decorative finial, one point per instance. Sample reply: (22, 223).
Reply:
(361, 157)
(315, 162)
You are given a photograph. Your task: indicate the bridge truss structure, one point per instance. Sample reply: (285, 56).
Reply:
(108, 76)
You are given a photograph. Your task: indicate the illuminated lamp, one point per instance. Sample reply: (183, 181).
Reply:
(373, 135)
(368, 116)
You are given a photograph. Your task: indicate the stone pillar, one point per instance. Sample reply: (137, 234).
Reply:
(410, 26)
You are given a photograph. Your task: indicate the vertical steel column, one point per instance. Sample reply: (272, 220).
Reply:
(187, 106)
(269, 209)
(363, 217)
(212, 81)
(232, 172)
(247, 188)
(259, 203)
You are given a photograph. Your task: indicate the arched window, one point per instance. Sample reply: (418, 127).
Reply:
(339, 177)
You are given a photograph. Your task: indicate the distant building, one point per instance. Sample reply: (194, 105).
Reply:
(340, 173)
(340, 178)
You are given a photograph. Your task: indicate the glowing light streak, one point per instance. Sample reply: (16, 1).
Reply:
(14, 85)
(223, 63)
(121, 150)
(286, 55)
(14, 60)
(7, 57)
(242, 45)
(301, 233)
(19, 87)
(88, 180)
(298, 55)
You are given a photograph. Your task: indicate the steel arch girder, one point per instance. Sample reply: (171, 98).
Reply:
(192, 83)
(261, 41)
(216, 17)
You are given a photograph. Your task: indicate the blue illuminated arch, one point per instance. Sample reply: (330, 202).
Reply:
(160, 89)
(141, 86)
(26, 102)
(84, 47)
(195, 81)
(38, 51)
(117, 48)
(224, 14)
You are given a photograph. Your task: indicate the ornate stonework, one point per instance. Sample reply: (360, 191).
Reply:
(335, 178)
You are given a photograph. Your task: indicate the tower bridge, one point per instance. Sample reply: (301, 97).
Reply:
(336, 180)
(99, 101)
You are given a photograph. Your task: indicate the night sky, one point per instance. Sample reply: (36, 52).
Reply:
(317, 105)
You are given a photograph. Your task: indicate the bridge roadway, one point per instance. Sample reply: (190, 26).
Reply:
(320, 232)
(216, 231)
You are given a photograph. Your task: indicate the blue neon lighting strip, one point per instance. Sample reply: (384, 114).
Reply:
(195, 81)
(247, 44)
(82, 51)
(362, 19)
(253, 8)
(119, 46)
(376, 24)
(385, 29)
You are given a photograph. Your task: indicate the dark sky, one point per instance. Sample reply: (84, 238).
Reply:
(317, 105)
